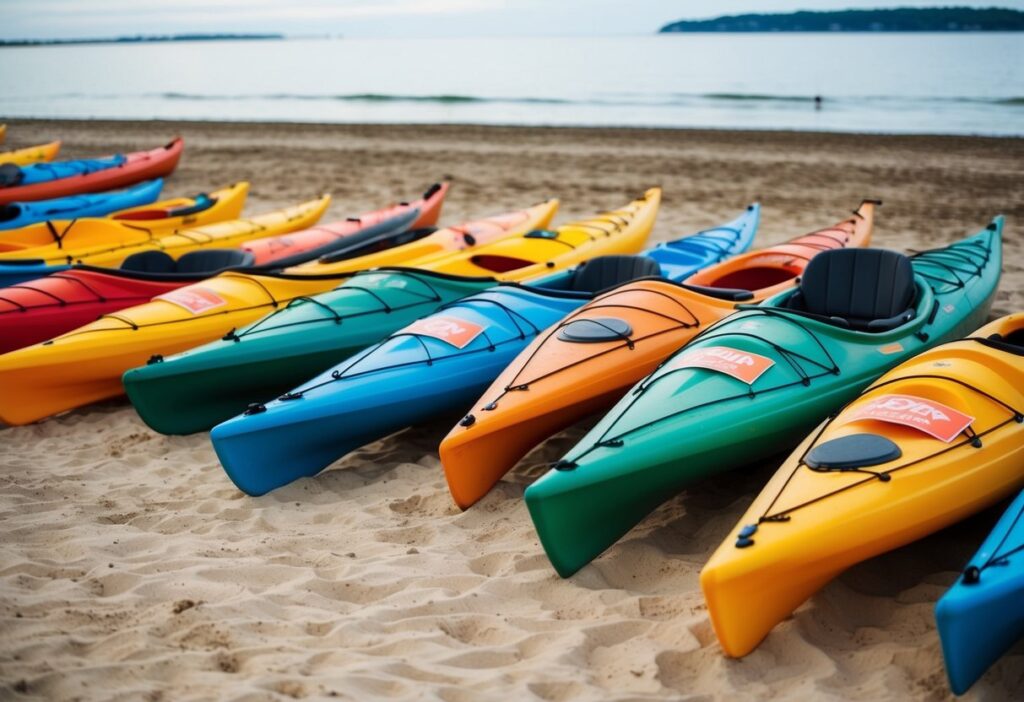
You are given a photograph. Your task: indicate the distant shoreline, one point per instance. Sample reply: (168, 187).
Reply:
(901, 19)
(141, 39)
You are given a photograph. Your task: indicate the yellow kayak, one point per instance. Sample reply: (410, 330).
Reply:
(109, 240)
(936, 439)
(31, 154)
(85, 365)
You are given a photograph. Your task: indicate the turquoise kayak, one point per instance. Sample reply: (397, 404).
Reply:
(757, 382)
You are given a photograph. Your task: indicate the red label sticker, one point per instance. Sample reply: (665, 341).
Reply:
(933, 418)
(195, 300)
(741, 365)
(890, 349)
(457, 332)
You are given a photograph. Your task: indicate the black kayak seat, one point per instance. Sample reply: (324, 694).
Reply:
(194, 263)
(868, 290)
(606, 272)
(149, 262)
(853, 452)
(10, 175)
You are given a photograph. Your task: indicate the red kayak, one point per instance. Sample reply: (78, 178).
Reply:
(355, 236)
(137, 166)
(41, 309)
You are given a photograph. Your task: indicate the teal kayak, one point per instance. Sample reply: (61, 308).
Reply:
(194, 390)
(757, 382)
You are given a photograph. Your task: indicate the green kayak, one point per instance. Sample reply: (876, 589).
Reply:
(194, 390)
(757, 382)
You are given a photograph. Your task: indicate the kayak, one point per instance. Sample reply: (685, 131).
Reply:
(86, 364)
(757, 382)
(373, 231)
(981, 616)
(41, 309)
(38, 310)
(21, 214)
(196, 390)
(31, 154)
(934, 440)
(431, 366)
(65, 238)
(229, 234)
(591, 358)
(62, 178)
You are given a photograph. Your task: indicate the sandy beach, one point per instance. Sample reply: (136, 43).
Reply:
(131, 568)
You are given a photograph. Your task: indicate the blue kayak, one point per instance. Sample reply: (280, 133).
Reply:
(982, 615)
(439, 364)
(45, 172)
(21, 214)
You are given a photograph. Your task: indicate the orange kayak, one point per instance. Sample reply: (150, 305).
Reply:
(592, 357)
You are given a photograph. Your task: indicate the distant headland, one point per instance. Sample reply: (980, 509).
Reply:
(900, 19)
(141, 39)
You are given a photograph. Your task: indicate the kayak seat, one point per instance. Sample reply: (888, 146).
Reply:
(149, 262)
(868, 290)
(192, 264)
(213, 260)
(604, 272)
(10, 174)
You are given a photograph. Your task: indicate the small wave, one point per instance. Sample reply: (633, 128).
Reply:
(754, 97)
(366, 97)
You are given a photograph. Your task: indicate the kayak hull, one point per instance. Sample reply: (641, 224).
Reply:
(634, 459)
(79, 206)
(136, 167)
(324, 426)
(808, 526)
(42, 153)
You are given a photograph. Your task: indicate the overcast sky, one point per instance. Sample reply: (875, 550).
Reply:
(390, 18)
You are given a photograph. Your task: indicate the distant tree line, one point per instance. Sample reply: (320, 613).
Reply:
(141, 39)
(902, 19)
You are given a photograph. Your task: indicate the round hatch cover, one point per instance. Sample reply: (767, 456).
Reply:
(853, 451)
(597, 329)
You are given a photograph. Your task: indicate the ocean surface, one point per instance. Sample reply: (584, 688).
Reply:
(903, 83)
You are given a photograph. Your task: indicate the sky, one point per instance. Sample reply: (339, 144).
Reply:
(43, 19)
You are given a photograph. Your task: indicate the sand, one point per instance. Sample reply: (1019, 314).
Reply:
(131, 568)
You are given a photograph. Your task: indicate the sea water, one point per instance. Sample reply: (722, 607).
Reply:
(902, 83)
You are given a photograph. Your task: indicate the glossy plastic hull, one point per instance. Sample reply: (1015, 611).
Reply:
(808, 525)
